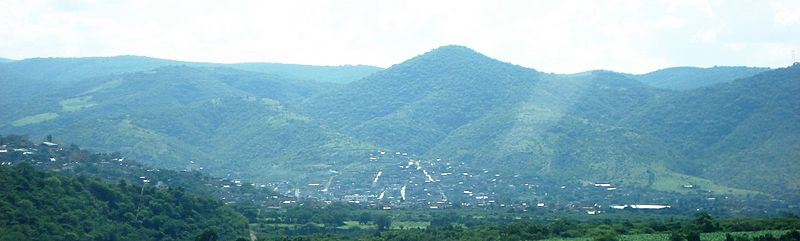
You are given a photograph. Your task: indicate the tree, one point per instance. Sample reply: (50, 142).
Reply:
(207, 235)
(676, 236)
(693, 236)
(705, 223)
(607, 236)
(383, 222)
(364, 218)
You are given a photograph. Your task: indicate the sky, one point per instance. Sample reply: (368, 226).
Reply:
(633, 36)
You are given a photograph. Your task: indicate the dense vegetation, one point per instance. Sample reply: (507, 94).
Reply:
(43, 206)
(341, 223)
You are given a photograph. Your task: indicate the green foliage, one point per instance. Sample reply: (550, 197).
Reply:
(43, 206)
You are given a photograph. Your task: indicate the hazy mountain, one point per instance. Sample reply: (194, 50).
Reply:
(686, 78)
(332, 74)
(60, 71)
(5, 60)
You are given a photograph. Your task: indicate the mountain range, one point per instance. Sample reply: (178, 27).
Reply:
(726, 127)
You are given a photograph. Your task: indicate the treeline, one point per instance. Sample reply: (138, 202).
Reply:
(43, 206)
(446, 227)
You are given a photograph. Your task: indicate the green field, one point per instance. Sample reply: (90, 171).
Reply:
(77, 103)
(672, 181)
(410, 225)
(33, 119)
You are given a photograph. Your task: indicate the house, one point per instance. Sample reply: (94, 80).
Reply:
(49, 144)
(649, 206)
(602, 184)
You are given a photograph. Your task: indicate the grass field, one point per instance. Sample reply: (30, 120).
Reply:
(671, 181)
(410, 225)
(33, 119)
(355, 224)
(75, 104)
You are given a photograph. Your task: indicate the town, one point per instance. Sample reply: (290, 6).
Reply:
(392, 181)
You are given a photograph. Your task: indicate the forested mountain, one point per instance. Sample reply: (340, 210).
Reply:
(686, 78)
(656, 130)
(746, 128)
(455, 103)
(43, 206)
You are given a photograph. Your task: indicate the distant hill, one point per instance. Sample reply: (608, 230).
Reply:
(331, 74)
(686, 78)
(5, 60)
(67, 70)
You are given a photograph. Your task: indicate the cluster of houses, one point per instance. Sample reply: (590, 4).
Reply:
(391, 181)
(400, 181)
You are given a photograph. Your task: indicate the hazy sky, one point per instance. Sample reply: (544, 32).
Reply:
(552, 36)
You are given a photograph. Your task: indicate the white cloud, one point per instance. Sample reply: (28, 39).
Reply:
(786, 13)
(553, 36)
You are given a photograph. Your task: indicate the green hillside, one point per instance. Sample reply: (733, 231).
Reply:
(415, 104)
(746, 128)
(687, 78)
(228, 120)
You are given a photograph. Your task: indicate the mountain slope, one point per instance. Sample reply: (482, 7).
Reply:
(230, 121)
(687, 78)
(455, 103)
(566, 126)
(746, 128)
(413, 104)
